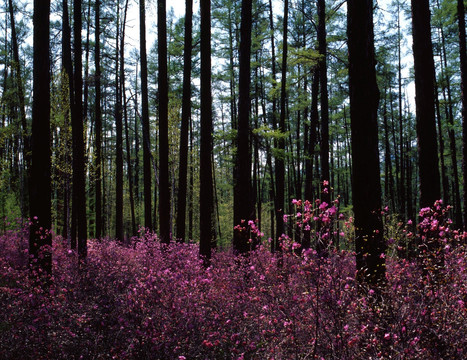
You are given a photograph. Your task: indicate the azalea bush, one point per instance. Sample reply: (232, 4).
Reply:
(151, 301)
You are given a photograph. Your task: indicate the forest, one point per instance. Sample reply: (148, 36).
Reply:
(233, 179)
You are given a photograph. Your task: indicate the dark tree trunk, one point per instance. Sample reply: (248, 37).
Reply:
(389, 178)
(145, 118)
(206, 202)
(79, 185)
(463, 70)
(242, 172)
(452, 139)
(364, 99)
(136, 139)
(22, 108)
(40, 240)
(186, 113)
(425, 104)
(124, 109)
(233, 99)
(128, 147)
(68, 68)
(164, 184)
(402, 188)
(118, 143)
(280, 167)
(274, 125)
(98, 124)
(191, 186)
(323, 80)
(410, 197)
(314, 119)
(86, 64)
(444, 177)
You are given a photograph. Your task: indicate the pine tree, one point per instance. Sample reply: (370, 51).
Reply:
(40, 239)
(364, 100)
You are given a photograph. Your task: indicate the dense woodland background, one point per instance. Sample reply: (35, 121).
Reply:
(253, 180)
(228, 114)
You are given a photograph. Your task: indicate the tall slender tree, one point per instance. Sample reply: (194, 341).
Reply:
(364, 100)
(164, 184)
(79, 186)
(463, 70)
(430, 188)
(40, 240)
(145, 118)
(186, 109)
(243, 205)
(20, 89)
(119, 138)
(280, 158)
(323, 82)
(67, 65)
(98, 124)
(206, 193)
(125, 118)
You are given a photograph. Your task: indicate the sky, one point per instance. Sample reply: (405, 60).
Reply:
(178, 7)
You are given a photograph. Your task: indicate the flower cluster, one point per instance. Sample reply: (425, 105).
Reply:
(316, 225)
(148, 301)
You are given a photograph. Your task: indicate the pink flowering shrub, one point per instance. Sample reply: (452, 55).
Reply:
(149, 301)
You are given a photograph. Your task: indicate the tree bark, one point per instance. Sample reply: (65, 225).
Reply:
(243, 210)
(145, 119)
(186, 113)
(430, 188)
(164, 184)
(402, 187)
(323, 81)
(22, 108)
(79, 184)
(68, 68)
(98, 125)
(40, 240)
(463, 70)
(118, 141)
(280, 167)
(364, 100)
(206, 202)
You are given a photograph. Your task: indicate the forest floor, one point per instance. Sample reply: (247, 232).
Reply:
(150, 302)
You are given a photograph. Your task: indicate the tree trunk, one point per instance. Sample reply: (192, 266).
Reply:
(444, 177)
(402, 189)
(206, 202)
(463, 70)
(68, 68)
(118, 142)
(243, 211)
(323, 80)
(280, 167)
(145, 118)
(364, 99)
(22, 108)
(389, 183)
(86, 64)
(164, 184)
(452, 138)
(79, 184)
(425, 104)
(125, 117)
(40, 240)
(233, 99)
(98, 124)
(186, 113)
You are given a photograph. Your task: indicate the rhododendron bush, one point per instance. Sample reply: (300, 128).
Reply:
(148, 301)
